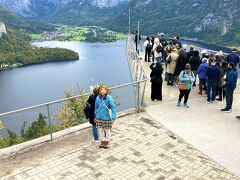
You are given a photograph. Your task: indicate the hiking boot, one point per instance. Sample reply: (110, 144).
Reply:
(106, 145)
(102, 144)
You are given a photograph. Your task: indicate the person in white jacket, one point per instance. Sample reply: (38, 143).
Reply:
(157, 49)
(148, 49)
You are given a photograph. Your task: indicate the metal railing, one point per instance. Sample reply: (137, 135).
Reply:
(139, 79)
(137, 71)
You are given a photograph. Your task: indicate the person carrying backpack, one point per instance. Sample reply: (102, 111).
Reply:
(157, 48)
(89, 112)
(148, 48)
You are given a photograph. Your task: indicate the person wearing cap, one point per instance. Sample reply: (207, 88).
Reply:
(204, 54)
(202, 74)
(186, 79)
(230, 85)
(233, 57)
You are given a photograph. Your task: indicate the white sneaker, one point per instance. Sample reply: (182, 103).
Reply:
(95, 141)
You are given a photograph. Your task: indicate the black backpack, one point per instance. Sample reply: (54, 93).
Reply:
(159, 48)
(149, 46)
(86, 111)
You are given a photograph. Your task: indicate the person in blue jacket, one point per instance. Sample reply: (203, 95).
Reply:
(202, 74)
(230, 85)
(233, 57)
(105, 115)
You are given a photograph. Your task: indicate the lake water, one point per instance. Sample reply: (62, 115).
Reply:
(100, 63)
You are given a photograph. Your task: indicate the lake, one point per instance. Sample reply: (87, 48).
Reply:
(100, 63)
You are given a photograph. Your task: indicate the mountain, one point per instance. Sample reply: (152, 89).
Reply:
(89, 12)
(2, 28)
(33, 8)
(12, 21)
(43, 8)
(215, 21)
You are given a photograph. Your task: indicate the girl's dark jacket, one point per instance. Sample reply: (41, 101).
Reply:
(91, 101)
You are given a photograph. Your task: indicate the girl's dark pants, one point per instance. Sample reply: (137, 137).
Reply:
(184, 93)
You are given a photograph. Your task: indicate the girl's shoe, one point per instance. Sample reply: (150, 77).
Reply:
(106, 144)
(102, 144)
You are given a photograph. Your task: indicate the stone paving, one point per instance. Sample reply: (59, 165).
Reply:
(141, 148)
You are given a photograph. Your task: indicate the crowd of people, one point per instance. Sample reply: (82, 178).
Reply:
(216, 72)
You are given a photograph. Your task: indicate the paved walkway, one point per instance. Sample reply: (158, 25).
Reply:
(141, 149)
(203, 125)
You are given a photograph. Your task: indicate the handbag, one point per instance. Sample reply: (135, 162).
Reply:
(181, 86)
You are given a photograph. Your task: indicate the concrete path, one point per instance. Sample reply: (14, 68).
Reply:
(141, 149)
(203, 125)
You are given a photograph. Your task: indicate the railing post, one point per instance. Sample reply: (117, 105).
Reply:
(138, 97)
(49, 122)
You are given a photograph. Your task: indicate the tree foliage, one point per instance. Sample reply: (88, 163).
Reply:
(71, 114)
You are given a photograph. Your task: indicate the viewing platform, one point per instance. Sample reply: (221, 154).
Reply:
(161, 142)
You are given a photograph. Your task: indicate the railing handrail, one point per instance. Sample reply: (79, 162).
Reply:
(66, 99)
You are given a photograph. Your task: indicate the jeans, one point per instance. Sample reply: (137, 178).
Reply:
(229, 98)
(211, 90)
(202, 85)
(95, 132)
(219, 92)
(184, 93)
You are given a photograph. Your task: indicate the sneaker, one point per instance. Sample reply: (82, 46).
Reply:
(178, 103)
(186, 105)
(95, 141)
(226, 110)
(209, 102)
(219, 99)
(238, 117)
